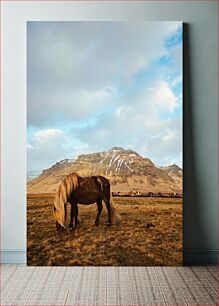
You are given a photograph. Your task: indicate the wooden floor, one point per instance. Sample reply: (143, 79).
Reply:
(79, 286)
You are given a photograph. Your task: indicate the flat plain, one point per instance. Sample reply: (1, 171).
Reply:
(149, 234)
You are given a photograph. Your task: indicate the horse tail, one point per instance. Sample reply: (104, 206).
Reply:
(67, 186)
(114, 214)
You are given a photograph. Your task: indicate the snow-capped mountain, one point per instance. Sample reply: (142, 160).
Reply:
(126, 170)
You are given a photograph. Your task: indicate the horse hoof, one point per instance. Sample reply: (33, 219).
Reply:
(96, 224)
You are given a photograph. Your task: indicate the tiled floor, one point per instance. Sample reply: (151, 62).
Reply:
(23, 285)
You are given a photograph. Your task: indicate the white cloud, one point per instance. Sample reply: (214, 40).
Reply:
(90, 74)
(43, 136)
(47, 147)
(164, 97)
(169, 135)
(74, 67)
(165, 147)
(176, 81)
(68, 106)
(140, 125)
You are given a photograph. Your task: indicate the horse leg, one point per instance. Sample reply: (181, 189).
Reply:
(107, 202)
(99, 207)
(76, 214)
(71, 218)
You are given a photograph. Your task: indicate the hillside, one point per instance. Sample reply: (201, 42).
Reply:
(126, 169)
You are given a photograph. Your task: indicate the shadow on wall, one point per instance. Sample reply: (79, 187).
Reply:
(192, 220)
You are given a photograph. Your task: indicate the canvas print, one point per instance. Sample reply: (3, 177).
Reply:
(104, 143)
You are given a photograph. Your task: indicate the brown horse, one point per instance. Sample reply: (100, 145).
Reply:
(75, 190)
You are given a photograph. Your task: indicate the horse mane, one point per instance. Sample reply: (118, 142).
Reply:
(67, 186)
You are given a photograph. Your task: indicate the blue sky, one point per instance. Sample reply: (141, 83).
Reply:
(96, 85)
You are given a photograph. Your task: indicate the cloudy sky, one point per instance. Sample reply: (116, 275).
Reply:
(96, 85)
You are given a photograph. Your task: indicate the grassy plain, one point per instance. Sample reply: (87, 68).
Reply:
(149, 234)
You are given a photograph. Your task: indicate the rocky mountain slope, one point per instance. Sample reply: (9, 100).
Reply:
(126, 170)
(32, 174)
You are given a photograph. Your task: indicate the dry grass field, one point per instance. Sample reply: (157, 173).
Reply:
(149, 234)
